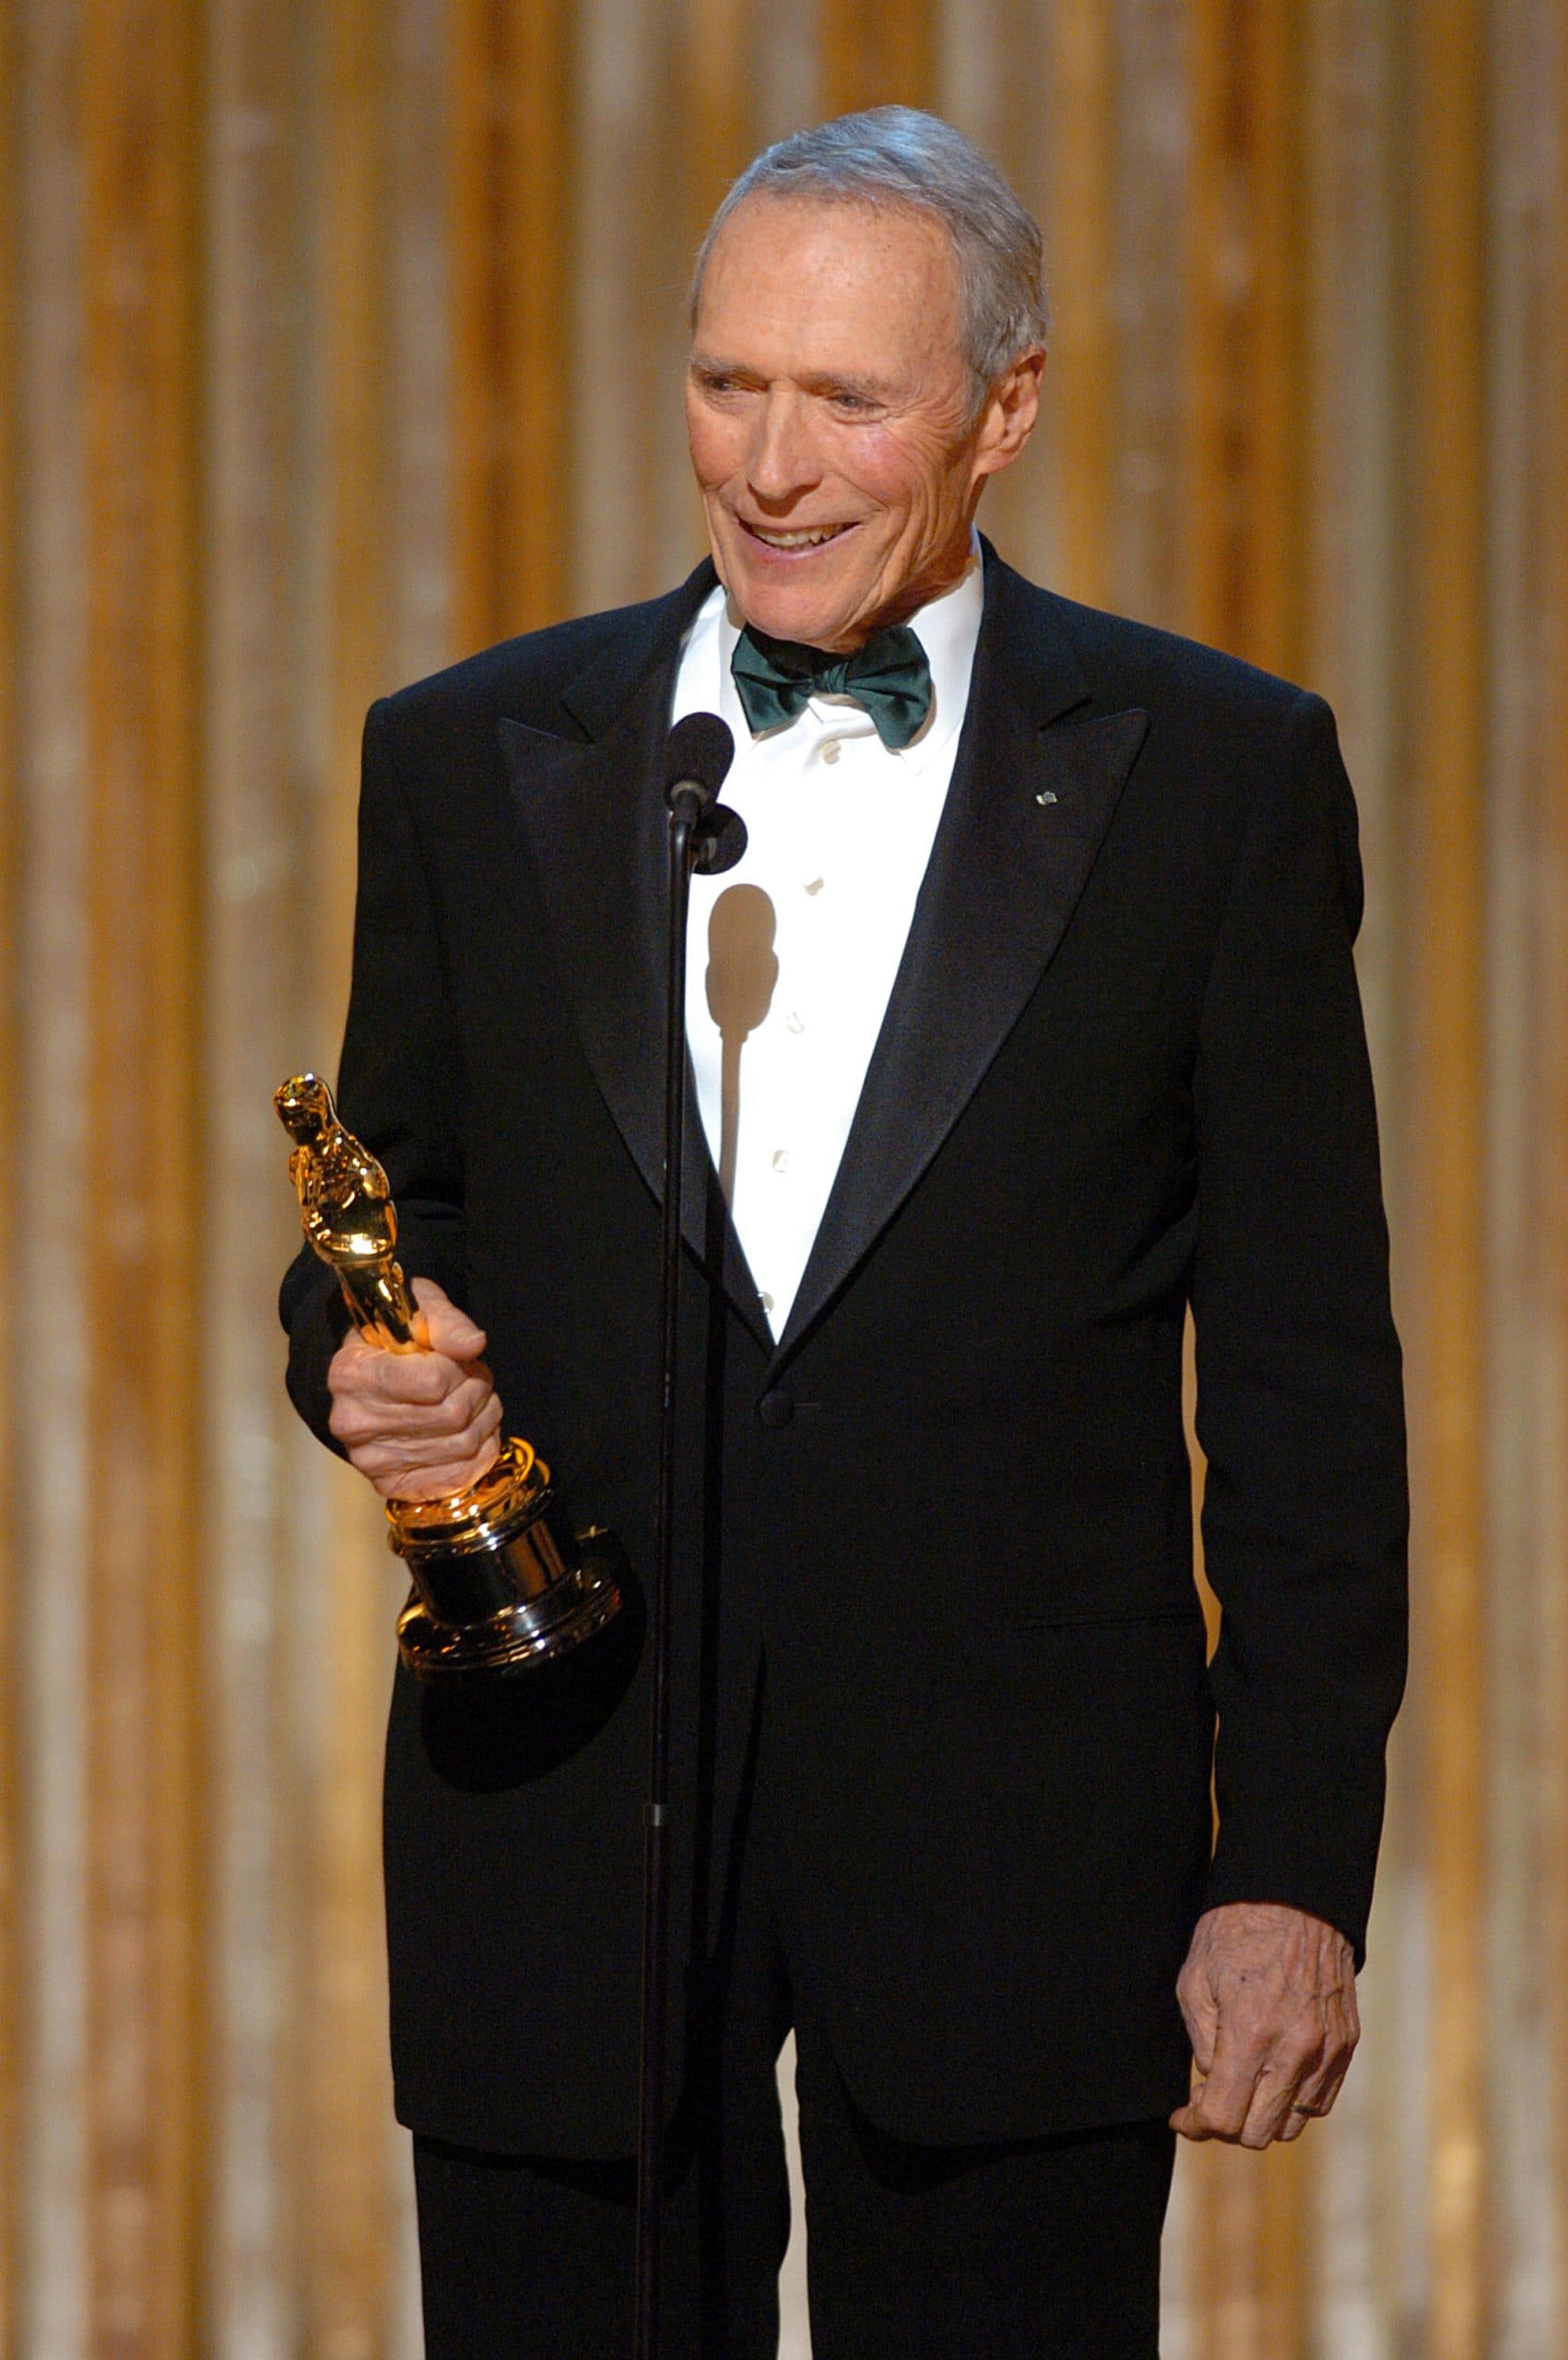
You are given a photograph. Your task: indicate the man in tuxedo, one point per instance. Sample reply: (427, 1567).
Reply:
(1027, 1023)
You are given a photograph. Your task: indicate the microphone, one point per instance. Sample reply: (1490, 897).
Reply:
(698, 753)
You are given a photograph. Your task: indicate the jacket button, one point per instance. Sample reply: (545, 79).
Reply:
(776, 1409)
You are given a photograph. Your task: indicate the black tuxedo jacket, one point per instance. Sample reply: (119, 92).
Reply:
(946, 1519)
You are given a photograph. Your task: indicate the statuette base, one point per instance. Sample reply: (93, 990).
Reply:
(580, 1601)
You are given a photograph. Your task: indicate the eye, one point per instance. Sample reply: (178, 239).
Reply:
(853, 404)
(716, 381)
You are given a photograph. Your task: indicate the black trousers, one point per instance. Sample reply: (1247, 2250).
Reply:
(1023, 2249)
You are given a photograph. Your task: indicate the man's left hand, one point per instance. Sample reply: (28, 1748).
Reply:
(1269, 1997)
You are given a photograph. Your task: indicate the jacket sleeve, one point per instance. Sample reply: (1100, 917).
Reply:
(1300, 1407)
(400, 1081)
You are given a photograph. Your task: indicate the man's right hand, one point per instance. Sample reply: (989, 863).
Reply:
(419, 1425)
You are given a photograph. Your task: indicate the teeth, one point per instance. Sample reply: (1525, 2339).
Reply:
(807, 540)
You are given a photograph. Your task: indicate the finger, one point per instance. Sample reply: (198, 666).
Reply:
(1193, 2122)
(1201, 2017)
(1302, 2111)
(1227, 2091)
(357, 1419)
(1327, 2069)
(437, 1482)
(463, 1442)
(1318, 2093)
(382, 1457)
(414, 1376)
(1319, 2086)
(450, 1330)
(1270, 2110)
(1190, 2120)
(368, 1418)
(368, 1374)
(473, 1398)
(346, 1367)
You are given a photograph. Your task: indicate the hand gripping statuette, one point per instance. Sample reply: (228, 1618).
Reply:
(498, 1583)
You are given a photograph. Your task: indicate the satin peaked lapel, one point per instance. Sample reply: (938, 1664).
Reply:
(1025, 817)
(594, 820)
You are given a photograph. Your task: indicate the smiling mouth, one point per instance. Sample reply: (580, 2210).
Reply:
(811, 536)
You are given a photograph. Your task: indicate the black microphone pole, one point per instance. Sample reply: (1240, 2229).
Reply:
(702, 834)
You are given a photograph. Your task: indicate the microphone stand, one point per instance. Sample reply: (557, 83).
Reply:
(702, 835)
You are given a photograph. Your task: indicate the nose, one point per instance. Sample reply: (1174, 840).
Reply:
(781, 461)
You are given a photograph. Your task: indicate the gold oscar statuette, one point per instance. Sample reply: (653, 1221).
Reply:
(499, 1584)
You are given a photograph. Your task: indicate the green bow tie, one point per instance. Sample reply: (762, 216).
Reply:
(889, 677)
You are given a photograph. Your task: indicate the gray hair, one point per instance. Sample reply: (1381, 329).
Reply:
(897, 156)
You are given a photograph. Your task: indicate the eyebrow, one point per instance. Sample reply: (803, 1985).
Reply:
(816, 381)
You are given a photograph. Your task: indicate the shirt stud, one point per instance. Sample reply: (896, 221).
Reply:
(1045, 795)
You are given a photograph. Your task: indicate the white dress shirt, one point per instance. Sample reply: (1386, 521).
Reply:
(793, 952)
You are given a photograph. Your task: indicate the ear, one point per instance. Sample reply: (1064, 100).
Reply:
(1011, 407)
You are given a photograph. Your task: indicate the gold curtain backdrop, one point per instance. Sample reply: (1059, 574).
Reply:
(340, 337)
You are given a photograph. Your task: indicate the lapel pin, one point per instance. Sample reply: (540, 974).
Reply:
(1045, 795)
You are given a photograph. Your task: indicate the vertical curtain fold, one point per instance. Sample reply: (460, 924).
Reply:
(145, 1144)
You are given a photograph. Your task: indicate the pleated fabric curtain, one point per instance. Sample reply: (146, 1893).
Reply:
(339, 339)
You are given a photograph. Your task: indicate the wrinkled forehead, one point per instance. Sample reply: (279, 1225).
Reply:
(833, 278)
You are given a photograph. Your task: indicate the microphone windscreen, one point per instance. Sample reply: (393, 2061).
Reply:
(721, 840)
(698, 752)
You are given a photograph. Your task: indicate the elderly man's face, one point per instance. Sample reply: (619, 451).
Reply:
(829, 410)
